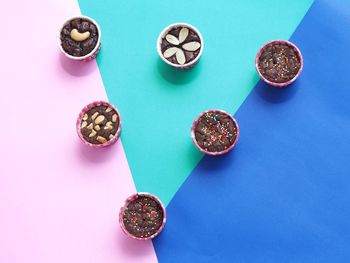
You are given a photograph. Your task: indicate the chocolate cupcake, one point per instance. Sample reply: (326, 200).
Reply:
(142, 217)
(215, 132)
(279, 63)
(180, 45)
(99, 124)
(80, 38)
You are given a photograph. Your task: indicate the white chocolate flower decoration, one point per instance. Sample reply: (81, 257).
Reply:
(178, 50)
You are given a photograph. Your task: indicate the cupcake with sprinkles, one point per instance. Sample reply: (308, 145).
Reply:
(215, 132)
(142, 217)
(279, 63)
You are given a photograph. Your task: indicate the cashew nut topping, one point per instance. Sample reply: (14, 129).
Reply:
(77, 36)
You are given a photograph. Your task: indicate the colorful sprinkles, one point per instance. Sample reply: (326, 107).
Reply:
(215, 131)
(279, 62)
(143, 217)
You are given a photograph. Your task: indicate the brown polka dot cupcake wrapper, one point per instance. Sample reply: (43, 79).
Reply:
(80, 36)
(180, 45)
(281, 42)
(99, 123)
(131, 199)
(235, 126)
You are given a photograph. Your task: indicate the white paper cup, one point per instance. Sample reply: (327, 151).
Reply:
(92, 55)
(162, 36)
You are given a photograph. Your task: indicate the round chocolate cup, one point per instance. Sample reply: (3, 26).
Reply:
(193, 136)
(165, 32)
(290, 44)
(88, 57)
(86, 109)
(132, 198)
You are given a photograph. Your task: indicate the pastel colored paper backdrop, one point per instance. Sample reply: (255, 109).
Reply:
(59, 200)
(283, 194)
(280, 196)
(158, 104)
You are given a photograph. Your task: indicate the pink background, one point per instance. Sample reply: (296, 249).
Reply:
(59, 200)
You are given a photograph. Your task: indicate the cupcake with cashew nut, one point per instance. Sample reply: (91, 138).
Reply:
(99, 124)
(180, 45)
(80, 38)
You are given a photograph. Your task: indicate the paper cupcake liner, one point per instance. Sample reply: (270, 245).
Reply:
(86, 109)
(193, 136)
(94, 55)
(88, 57)
(132, 198)
(283, 84)
(165, 32)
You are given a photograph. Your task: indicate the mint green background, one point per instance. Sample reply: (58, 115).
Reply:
(158, 103)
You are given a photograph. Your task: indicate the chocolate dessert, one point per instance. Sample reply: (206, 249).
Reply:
(181, 45)
(215, 131)
(99, 124)
(143, 216)
(279, 62)
(79, 37)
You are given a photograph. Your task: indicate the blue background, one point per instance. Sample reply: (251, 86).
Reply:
(283, 194)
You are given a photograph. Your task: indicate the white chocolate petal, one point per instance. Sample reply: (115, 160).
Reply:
(170, 52)
(191, 46)
(183, 34)
(180, 57)
(171, 39)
